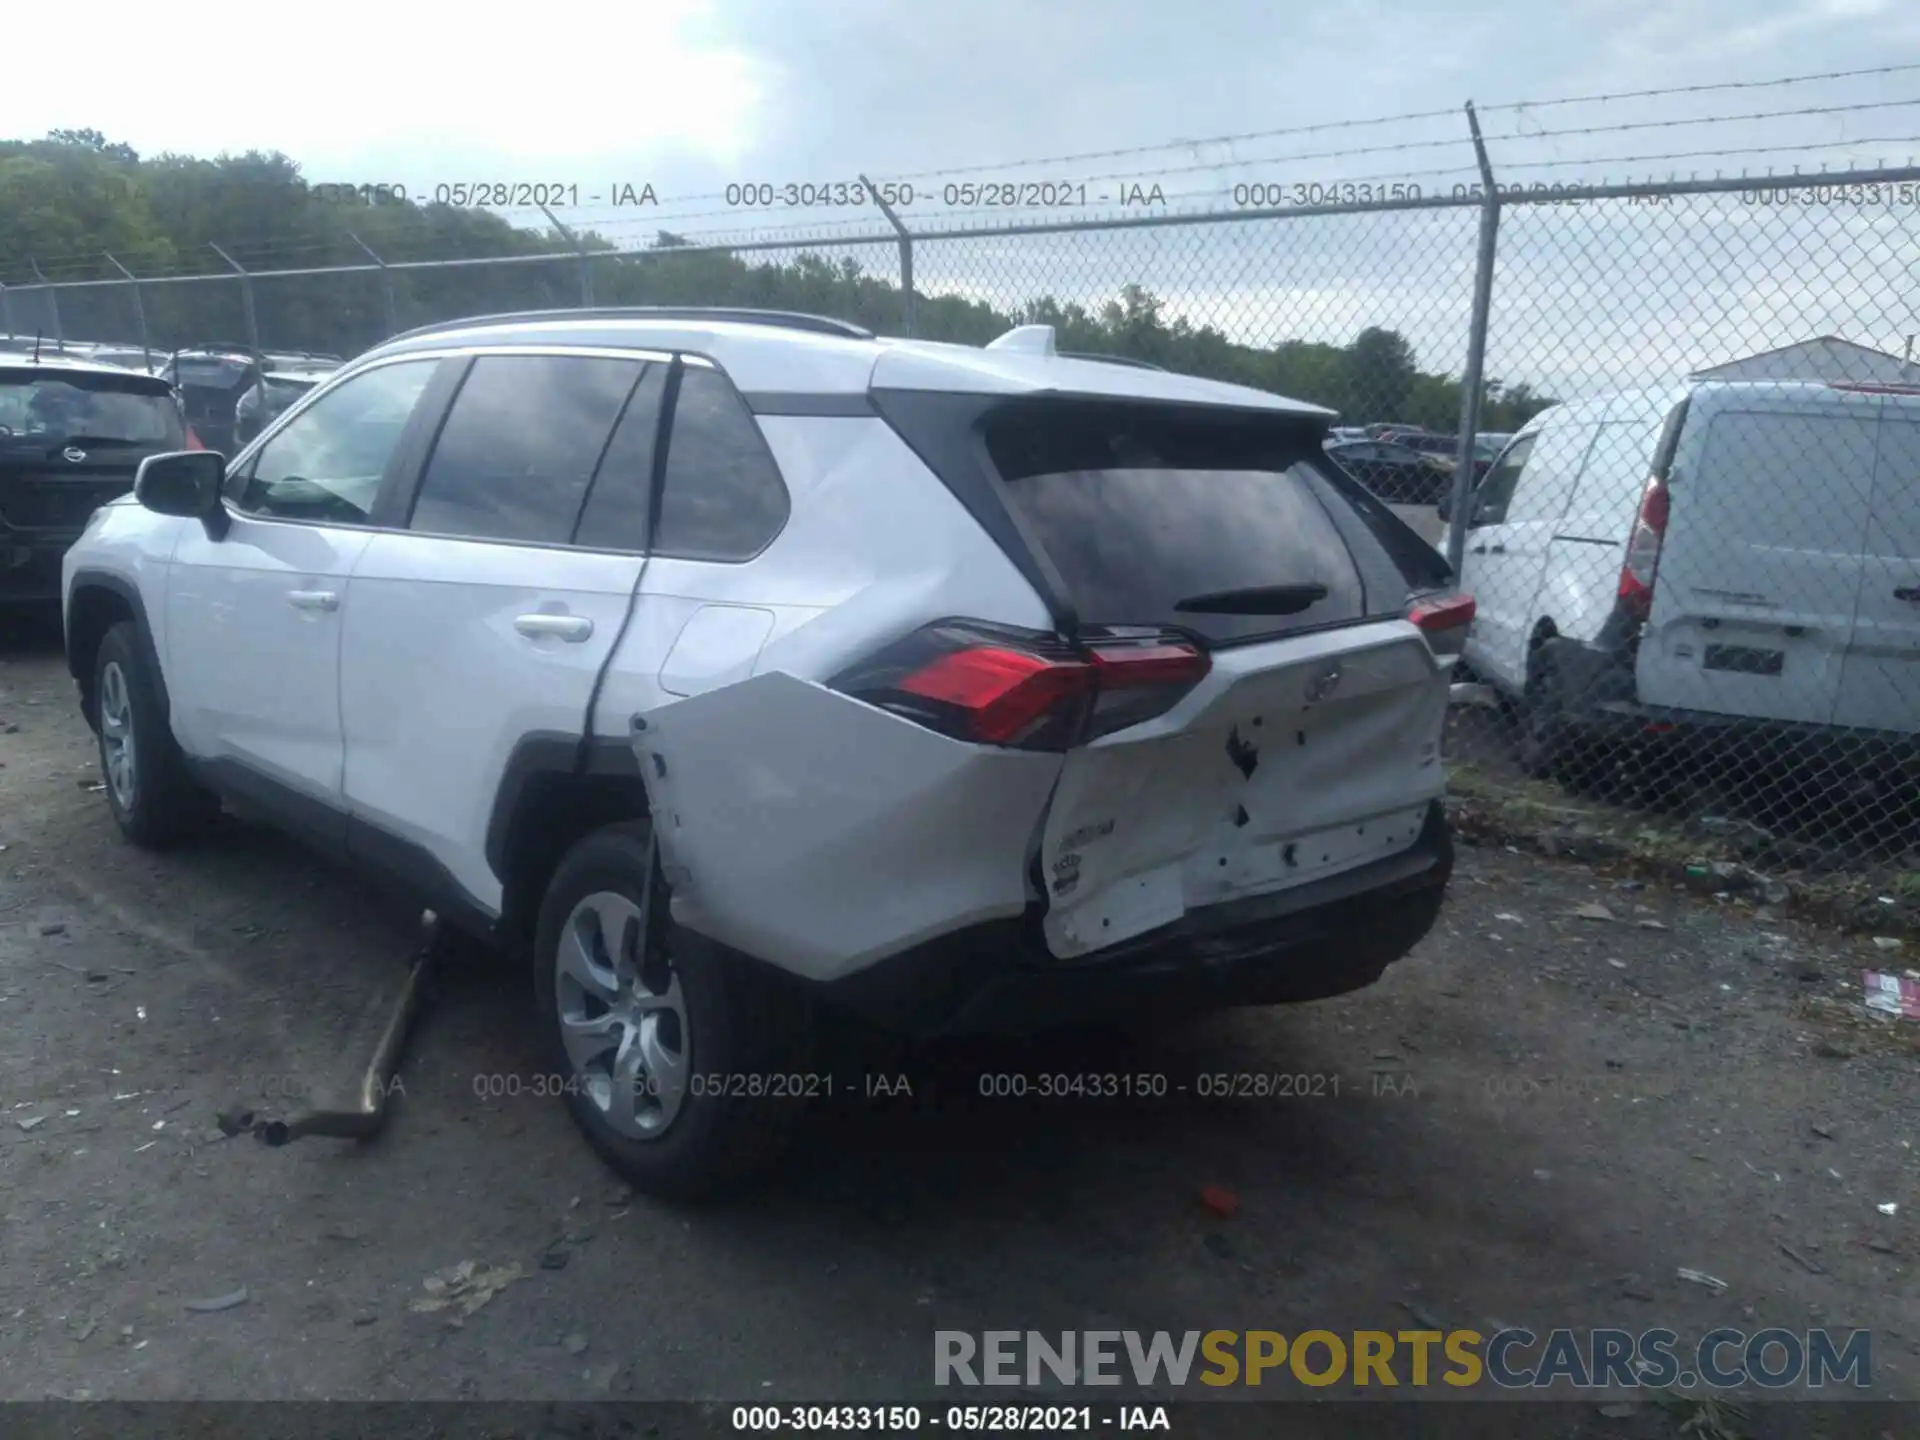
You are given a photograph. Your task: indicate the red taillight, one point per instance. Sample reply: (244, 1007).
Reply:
(1002, 693)
(1034, 691)
(193, 440)
(1641, 567)
(1443, 619)
(1448, 612)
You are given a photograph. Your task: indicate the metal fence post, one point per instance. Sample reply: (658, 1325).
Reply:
(586, 265)
(139, 308)
(246, 294)
(6, 310)
(53, 304)
(386, 284)
(1471, 382)
(906, 257)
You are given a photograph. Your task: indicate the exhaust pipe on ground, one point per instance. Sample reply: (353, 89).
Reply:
(363, 1120)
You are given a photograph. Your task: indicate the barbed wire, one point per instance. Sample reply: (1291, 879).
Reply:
(413, 224)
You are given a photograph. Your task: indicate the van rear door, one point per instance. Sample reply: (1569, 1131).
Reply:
(1761, 565)
(1880, 678)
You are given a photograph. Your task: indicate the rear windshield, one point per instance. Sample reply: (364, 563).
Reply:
(211, 374)
(101, 410)
(1145, 510)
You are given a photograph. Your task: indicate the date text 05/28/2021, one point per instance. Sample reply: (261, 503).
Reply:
(504, 194)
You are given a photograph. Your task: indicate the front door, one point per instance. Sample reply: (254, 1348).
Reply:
(254, 617)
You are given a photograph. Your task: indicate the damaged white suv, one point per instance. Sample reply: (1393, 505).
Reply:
(734, 665)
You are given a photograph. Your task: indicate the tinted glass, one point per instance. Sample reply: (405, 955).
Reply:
(1140, 509)
(616, 513)
(328, 464)
(519, 446)
(723, 498)
(45, 409)
(1490, 503)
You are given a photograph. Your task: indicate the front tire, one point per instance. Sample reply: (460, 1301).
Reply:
(684, 1065)
(154, 800)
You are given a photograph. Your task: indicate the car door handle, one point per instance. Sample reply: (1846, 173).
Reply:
(571, 628)
(1909, 593)
(1489, 550)
(313, 599)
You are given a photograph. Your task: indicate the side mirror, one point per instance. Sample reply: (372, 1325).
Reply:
(185, 483)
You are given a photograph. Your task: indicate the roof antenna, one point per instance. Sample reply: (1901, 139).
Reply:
(36, 347)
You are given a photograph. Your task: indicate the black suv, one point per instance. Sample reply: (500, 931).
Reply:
(72, 435)
(213, 378)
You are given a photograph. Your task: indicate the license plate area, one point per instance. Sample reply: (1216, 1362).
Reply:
(1320, 760)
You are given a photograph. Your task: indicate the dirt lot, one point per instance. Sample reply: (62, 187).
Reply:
(1540, 1118)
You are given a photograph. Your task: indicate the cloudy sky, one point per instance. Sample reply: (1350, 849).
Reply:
(693, 95)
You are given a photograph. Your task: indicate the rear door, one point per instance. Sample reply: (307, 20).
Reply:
(1761, 567)
(1312, 745)
(482, 623)
(1880, 677)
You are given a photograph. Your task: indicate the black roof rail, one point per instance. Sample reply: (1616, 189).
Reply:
(784, 319)
(1127, 360)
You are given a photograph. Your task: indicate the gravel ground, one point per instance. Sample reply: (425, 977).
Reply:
(1540, 1117)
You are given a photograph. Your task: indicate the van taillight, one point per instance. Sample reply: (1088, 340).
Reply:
(1641, 567)
(193, 440)
(1443, 619)
(1027, 690)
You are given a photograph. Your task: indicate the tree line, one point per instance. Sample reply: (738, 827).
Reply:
(74, 203)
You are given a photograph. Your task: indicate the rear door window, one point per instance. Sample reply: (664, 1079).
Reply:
(1145, 510)
(520, 445)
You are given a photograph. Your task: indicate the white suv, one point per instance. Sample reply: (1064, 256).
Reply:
(733, 665)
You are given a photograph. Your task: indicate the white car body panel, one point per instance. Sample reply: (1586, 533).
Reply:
(793, 824)
(439, 683)
(252, 647)
(1882, 669)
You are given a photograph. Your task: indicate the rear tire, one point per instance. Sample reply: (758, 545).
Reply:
(154, 799)
(1542, 736)
(684, 1065)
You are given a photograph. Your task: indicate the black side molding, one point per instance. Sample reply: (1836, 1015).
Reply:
(797, 402)
(84, 580)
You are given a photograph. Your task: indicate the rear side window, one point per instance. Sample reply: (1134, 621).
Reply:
(1214, 522)
(519, 446)
(723, 498)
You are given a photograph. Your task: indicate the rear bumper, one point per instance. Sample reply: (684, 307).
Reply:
(1317, 940)
(1602, 704)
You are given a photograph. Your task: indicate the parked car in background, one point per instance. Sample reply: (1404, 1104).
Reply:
(72, 435)
(1396, 473)
(147, 362)
(210, 379)
(971, 689)
(263, 401)
(1702, 562)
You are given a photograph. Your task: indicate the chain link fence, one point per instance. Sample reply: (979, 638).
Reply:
(1685, 489)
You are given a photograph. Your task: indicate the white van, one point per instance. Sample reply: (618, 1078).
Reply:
(1719, 554)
